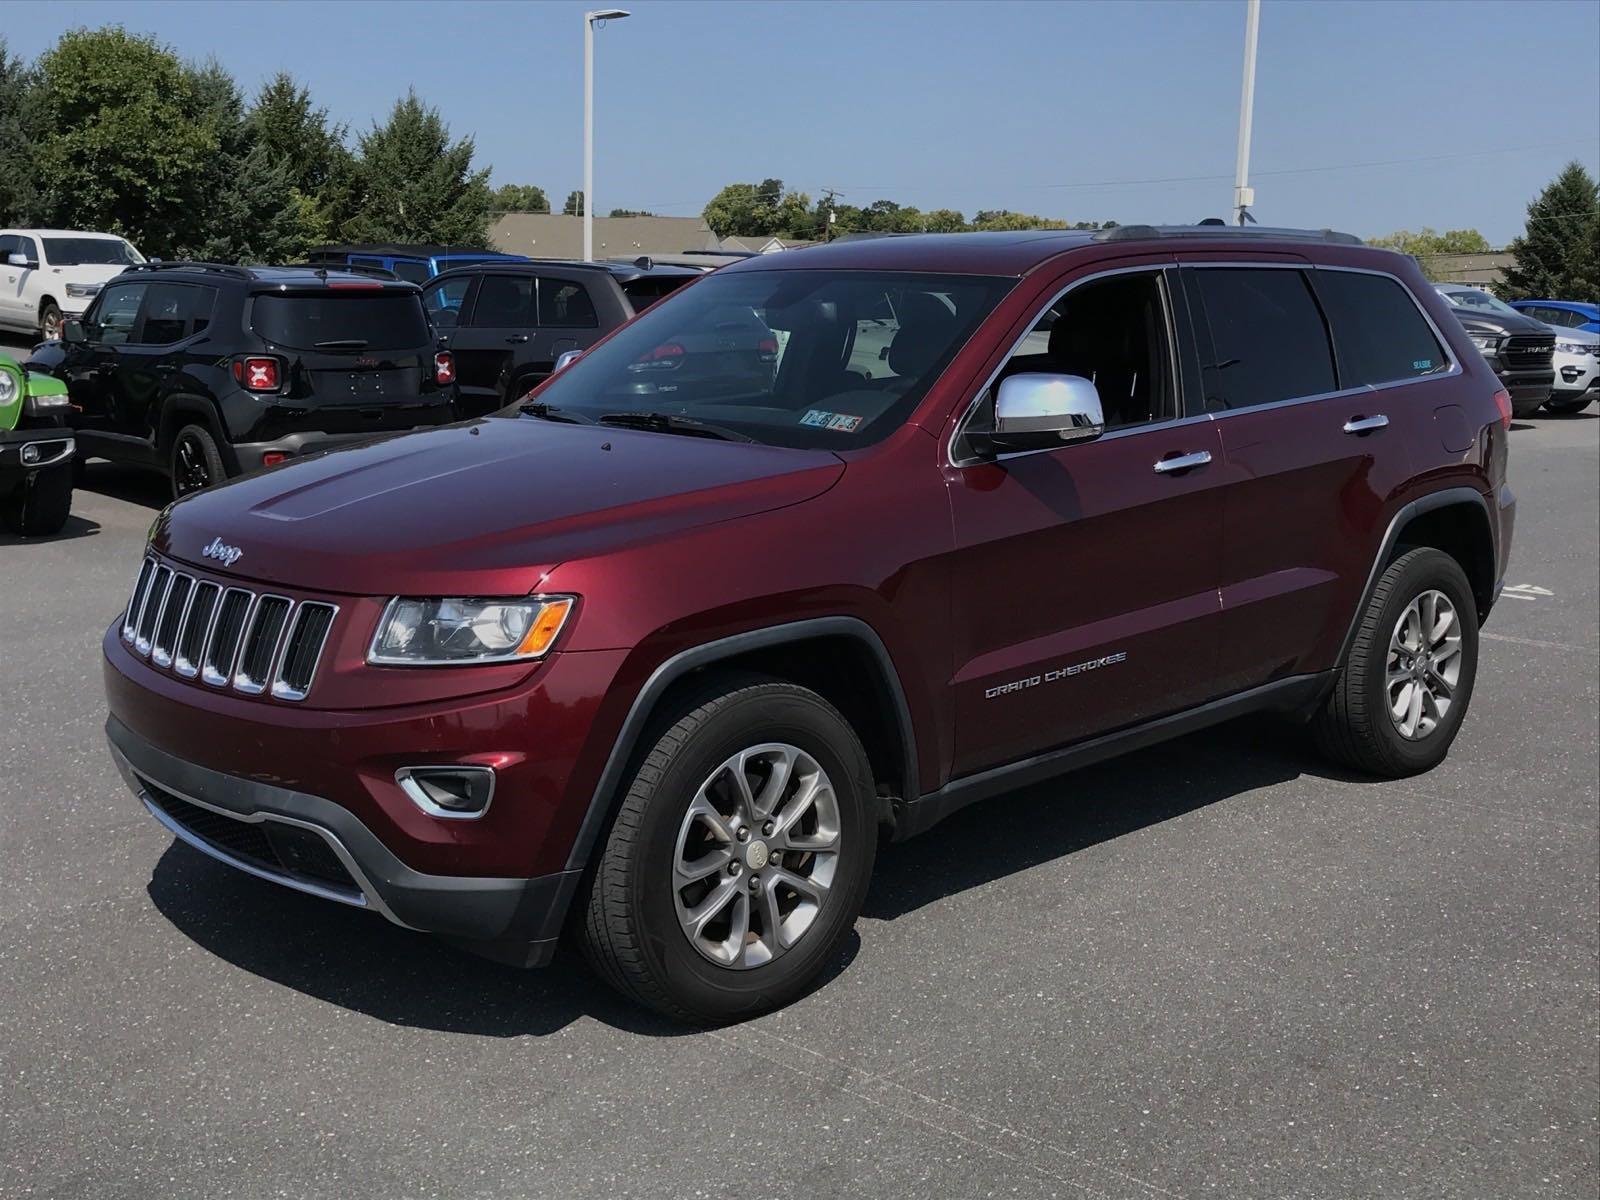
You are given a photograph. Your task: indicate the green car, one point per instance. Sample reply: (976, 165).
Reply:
(36, 450)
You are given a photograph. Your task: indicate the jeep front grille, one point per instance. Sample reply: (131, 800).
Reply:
(230, 637)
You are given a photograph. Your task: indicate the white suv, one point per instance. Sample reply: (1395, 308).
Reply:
(48, 276)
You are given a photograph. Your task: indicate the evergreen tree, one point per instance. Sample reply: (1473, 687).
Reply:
(574, 205)
(17, 98)
(412, 184)
(1551, 254)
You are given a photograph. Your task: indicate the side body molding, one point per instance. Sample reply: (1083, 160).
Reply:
(602, 802)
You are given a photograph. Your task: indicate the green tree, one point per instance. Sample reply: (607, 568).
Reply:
(1585, 278)
(17, 101)
(1427, 245)
(944, 220)
(412, 184)
(520, 197)
(629, 212)
(1004, 218)
(1552, 255)
(127, 139)
(574, 205)
(760, 210)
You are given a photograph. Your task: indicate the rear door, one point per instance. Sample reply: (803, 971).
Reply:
(1312, 459)
(500, 327)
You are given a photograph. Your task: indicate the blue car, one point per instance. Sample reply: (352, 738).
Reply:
(414, 264)
(1563, 314)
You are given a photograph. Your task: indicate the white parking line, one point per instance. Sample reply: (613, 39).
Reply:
(1522, 641)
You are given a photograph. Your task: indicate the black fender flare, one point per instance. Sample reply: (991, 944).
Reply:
(604, 800)
(176, 403)
(1408, 513)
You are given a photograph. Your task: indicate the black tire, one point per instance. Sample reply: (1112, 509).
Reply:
(41, 507)
(1354, 726)
(1570, 404)
(49, 321)
(630, 930)
(194, 463)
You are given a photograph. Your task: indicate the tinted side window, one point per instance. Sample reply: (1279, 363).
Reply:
(504, 302)
(565, 304)
(411, 272)
(116, 314)
(1268, 342)
(444, 301)
(8, 247)
(173, 311)
(28, 248)
(1380, 334)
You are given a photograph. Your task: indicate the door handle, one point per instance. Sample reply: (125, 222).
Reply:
(1182, 462)
(1366, 424)
(516, 339)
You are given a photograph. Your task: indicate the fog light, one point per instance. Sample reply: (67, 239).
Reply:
(30, 454)
(458, 793)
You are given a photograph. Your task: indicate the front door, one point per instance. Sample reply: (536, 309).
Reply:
(91, 366)
(1085, 578)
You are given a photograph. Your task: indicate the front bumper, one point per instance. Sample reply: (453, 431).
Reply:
(50, 444)
(318, 847)
(1528, 389)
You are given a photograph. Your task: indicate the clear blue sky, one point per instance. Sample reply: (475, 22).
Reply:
(1041, 107)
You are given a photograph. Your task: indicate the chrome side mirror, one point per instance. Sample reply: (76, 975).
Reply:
(1039, 412)
(565, 359)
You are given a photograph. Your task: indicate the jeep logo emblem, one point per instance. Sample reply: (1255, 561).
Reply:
(225, 554)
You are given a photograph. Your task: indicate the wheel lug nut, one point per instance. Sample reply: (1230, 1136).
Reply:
(733, 868)
(766, 830)
(744, 833)
(755, 883)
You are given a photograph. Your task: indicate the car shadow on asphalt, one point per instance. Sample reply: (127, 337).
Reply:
(76, 527)
(147, 488)
(358, 961)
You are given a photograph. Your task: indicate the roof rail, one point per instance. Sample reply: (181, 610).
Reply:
(156, 264)
(1129, 233)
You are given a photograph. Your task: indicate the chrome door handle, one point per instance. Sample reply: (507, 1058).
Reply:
(517, 339)
(1183, 462)
(1366, 424)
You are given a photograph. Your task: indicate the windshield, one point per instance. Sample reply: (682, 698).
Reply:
(1473, 298)
(831, 359)
(80, 252)
(358, 320)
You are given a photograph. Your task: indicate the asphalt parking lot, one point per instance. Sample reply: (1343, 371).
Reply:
(1214, 968)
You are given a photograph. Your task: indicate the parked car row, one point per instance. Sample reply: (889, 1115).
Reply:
(1542, 366)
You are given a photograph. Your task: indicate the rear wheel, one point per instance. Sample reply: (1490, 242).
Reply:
(740, 857)
(41, 507)
(196, 463)
(1407, 679)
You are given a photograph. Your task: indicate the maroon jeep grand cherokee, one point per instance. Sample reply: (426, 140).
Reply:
(655, 657)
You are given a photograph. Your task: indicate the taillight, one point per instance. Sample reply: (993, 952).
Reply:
(256, 374)
(665, 356)
(1502, 401)
(444, 367)
(271, 458)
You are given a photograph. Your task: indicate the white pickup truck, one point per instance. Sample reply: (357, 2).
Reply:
(48, 276)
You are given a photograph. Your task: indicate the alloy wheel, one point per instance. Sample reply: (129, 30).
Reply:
(190, 472)
(756, 855)
(1424, 665)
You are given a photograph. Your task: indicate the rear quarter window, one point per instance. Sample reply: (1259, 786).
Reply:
(377, 319)
(1379, 333)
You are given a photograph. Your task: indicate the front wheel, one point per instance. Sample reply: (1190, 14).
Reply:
(196, 462)
(49, 322)
(1570, 404)
(1405, 683)
(740, 857)
(41, 507)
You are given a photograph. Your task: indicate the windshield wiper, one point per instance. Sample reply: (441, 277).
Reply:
(655, 422)
(342, 344)
(545, 412)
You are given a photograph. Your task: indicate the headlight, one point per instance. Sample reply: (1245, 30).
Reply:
(1571, 348)
(1487, 342)
(50, 402)
(81, 290)
(420, 633)
(9, 387)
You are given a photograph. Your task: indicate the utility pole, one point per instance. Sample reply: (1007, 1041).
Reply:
(828, 195)
(1244, 196)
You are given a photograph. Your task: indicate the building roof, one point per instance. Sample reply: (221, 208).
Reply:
(557, 235)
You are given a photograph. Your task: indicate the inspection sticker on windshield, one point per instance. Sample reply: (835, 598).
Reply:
(839, 422)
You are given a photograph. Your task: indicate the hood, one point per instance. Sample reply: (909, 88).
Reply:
(1577, 337)
(1482, 320)
(482, 508)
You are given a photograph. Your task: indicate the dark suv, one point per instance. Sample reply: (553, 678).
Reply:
(204, 371)
(508, 323)
(1520, 349)
(658, 668)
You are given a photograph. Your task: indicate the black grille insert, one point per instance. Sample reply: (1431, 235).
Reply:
(224, 646)
(304, 648)
(131, 619)
(192, 639)
(269, 846)
(152, 609)
(171, 613)
(261, 643)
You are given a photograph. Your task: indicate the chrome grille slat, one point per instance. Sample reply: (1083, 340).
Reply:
(302, 649)
(173, 609)
(226, 636)
(258, 652)
(141, 585)
(150, 611)
(196, 629)
(222, 649)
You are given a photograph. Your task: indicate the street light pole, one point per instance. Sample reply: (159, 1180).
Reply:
(1244, 196)
(589, 19)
